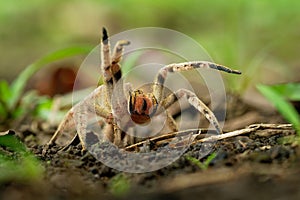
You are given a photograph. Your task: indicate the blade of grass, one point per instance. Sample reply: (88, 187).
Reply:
(18, 84)
(119, 185)
(4, 91)
(12, 142)
(291, 91)
(283, 106)
(201, 165)
(21, 165)
(209, 159)
(5, 95)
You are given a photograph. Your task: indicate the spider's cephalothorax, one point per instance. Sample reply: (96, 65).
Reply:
(141, 106)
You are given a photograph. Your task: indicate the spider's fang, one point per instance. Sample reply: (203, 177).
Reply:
(104, 36)
(144, 106)
(131, 103)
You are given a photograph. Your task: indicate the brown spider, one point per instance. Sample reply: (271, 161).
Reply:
(141, 106)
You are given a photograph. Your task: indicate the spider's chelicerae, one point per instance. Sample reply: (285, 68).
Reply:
(141, 106)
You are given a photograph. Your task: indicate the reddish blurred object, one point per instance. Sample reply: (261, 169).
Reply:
(57, 81)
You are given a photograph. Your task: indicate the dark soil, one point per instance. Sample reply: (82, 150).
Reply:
(260, 165)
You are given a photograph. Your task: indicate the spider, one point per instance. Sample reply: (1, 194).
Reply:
(141, 106)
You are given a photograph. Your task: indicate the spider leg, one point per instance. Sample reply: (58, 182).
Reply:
(116, 69)
(177, 67)
(195, 102)
(67, 123)
(171, 122)
(112, 79)
(118, 51)
(94, 103)
(97, 102)
(106, 60)
(129, 138)
(110, 64)
(119, 137)
(108, 132)
(116, 58)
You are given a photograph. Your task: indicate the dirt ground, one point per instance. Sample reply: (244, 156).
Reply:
(262, 164)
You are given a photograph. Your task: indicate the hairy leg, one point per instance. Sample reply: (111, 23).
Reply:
(94, 103)
(67, 123)
(120, 138)
(110, 63)
(185, 66)
(195, 102)
(118, 51)
(171, 122)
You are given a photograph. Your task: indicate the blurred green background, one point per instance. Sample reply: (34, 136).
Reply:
(259, 37)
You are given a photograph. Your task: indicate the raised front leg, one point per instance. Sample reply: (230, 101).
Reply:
(185, 66)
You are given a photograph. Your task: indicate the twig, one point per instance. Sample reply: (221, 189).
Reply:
(249, 129)
(226, 135)
(166, 137)
(162, 138)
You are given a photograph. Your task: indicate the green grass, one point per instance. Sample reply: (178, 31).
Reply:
(119, 185)
(12, 105)
(16, 162)
(251, 36)
(202, 165)
(280, 96)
